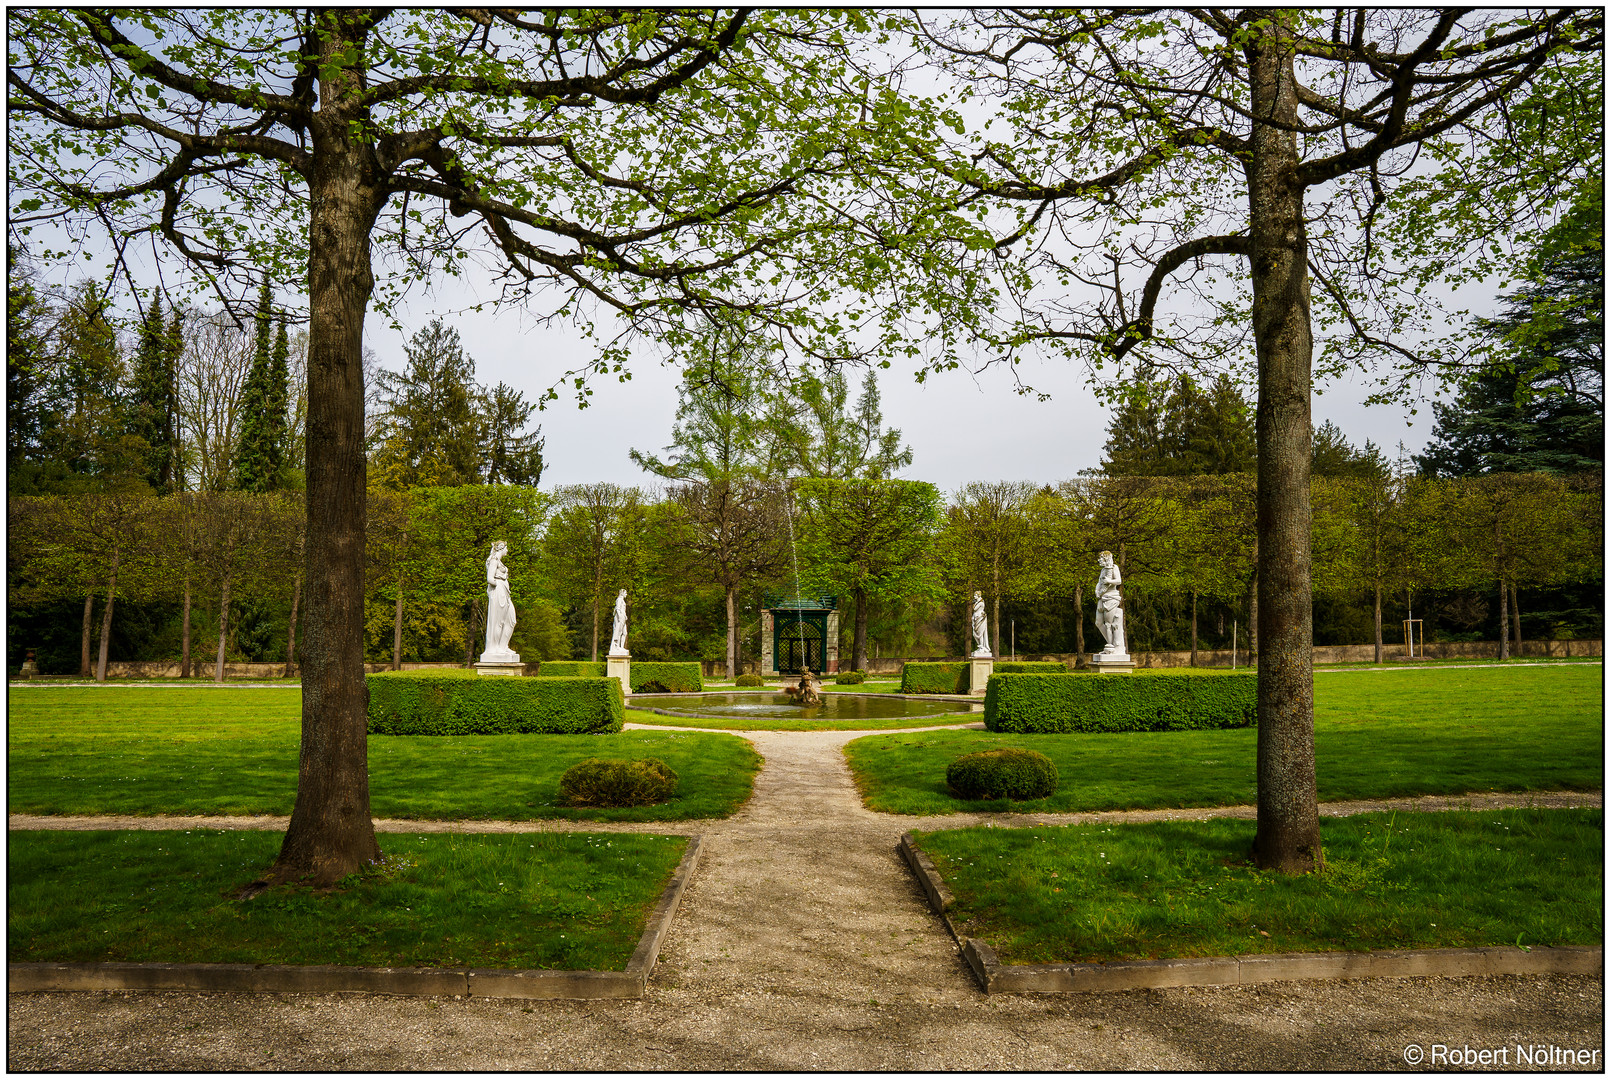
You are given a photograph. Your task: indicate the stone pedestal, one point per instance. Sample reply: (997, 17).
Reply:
(1114, 663)
(29, 667)
(484, 667)
(620, 667)
(979, 669)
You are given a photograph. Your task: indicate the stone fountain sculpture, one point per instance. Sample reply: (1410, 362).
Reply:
(1110, 618)
(808, 691)
(499, 658)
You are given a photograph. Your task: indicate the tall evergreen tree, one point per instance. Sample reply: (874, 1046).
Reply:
(1331, 454)
(1191, 432)
(259, 456)
(151, 413)
(508, 454)
(25, 368)
(821, 438)
(430, 431)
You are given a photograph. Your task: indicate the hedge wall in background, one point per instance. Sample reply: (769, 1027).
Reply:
(1030, 667)
(934, 678)
(654, 678)
(1139, 701)
(571, 668)
(464, 703)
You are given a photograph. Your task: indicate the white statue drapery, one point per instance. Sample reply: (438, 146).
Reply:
(500, 609)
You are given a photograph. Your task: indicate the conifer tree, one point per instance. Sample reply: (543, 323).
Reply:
(151, 416)
(257, 456)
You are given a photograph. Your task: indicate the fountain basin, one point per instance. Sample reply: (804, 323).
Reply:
(768, 705)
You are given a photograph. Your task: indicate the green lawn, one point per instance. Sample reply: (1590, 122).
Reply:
(539, 900)
(137, 750)
(1185, 888)
(1437, 731)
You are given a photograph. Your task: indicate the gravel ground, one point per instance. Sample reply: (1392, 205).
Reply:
(804, 944)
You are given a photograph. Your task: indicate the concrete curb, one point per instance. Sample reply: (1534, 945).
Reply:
(420, 982)
(998, 978)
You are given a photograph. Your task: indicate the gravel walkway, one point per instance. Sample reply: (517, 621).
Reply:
(803, 944)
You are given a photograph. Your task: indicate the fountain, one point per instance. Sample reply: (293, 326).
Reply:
(808, 691)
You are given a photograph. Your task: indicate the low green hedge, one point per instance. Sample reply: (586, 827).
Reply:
(571, 668)
(850, 678)
(656, 678)
(1030, 667)
(934, 678)
(464, 703)
(1139, 701)
(617, 782)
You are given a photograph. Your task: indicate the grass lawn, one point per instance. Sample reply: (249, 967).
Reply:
(1438, 731)
(736, 723)
(1185, 888)
(137, 750)
(546, 900)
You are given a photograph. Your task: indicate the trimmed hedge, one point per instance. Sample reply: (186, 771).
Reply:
(653, 678)
(617, 782)
(1139, 701)
(565, 669)
(464, 703)
(850, 678)
(934, 678)
(1030, 667)
(749, 680)
(1009, 773)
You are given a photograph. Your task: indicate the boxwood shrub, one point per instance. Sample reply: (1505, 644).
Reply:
(653, 678)
(617, 782)
(1030, 667)
(749, 680)
(850, 678)
(463, 703)
(571, 668)
(934, 678)
(1139, 701)
(1009, 773)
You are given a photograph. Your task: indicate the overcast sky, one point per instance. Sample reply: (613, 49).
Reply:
(960, 426)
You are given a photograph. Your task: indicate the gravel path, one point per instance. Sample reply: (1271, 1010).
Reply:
(803, 944)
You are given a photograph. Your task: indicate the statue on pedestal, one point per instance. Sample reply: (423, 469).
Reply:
(500, 609)
(1109, 609)
(981, 628)
(618, 632)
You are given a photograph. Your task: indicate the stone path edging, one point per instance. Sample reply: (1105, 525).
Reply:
(417, 982)
(998, 978)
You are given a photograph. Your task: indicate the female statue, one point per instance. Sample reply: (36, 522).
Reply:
(500, 608)
(981, 628)
(1109, 613)
(618, 632)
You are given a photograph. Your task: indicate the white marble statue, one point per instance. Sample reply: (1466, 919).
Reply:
(619, 631)
(1109, 612)
(981, 628)
(500, 609)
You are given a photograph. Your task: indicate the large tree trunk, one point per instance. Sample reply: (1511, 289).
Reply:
(1504, 620)
(858, 651)
(1378, 622)
(223, 632)
(184, 635)
(397, 630)
(732, 631)
(1288, 837)
(331, 834)
(89, 618)
(1079, 626)
(106, 621)
(290, 633)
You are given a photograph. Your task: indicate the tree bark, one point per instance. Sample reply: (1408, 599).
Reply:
(1515, 616)
(397, 630)
(290, 633)
(89, 618)
(1504, 620)
(331, 834)
(223, 633)
(858, 652)
(1288, 836)
(1079, 627)
(106, 620)
(732, 631)
(184, 635)
(1194, 628)
(1378, 622)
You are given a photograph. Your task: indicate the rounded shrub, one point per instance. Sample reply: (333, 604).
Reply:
(749, 680)
(851, 678)
(617, 782)
(1002, 774)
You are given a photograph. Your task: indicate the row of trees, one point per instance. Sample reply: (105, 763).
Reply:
(695, 556)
